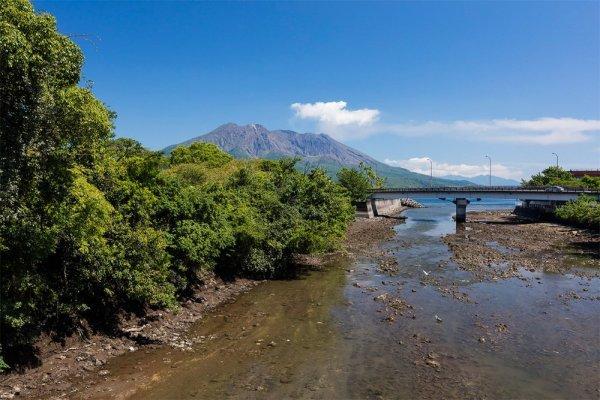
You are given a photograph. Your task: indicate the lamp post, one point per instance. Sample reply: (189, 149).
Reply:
(430, 172)
(556, 159)
(489, 158)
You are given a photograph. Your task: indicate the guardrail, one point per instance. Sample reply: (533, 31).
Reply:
(517, 189)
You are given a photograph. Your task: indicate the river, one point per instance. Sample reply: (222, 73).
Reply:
(351, 330)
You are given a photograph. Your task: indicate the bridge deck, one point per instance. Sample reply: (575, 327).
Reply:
(497, 192)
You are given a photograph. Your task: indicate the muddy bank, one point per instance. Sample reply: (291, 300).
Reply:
(499, 244)
(394, 318)
(60, 363)
(77, 359)
(366, 233)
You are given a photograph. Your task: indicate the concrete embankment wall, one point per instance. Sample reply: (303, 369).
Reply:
(378, 207)
(364, 209)
(386, 207)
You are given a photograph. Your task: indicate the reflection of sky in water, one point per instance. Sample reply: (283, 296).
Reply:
(435, 219)
(332, 335)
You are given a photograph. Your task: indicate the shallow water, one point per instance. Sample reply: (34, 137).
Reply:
(324, 335)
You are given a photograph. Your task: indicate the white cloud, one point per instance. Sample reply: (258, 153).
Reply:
(422, 165)
(335, 119)
(544, 131)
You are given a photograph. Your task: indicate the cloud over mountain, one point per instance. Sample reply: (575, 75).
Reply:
(421, 165)
(337, 120)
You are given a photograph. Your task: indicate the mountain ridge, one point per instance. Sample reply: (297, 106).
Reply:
(314, 149)
(484, 180)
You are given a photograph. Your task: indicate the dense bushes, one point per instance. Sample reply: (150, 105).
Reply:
(358, 181)
(584, 211)
(556, 176)
(90, 225)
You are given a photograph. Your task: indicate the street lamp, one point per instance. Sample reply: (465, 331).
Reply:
(430, 172)
(556, 159)
(489, 158)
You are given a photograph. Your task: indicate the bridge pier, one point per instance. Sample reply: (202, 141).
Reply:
(461, 209)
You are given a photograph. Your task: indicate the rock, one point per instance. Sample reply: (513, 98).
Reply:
(438, 319)
(104, 372)
(272, 344)
(432, 363)
(482, 339)
(381, 297)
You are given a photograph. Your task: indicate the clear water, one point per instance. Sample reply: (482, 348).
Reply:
(324, 335)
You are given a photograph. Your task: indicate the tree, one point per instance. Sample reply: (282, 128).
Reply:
(200, 152)
(48, 126)
(91, 227)
(358, 181)
(557, 176)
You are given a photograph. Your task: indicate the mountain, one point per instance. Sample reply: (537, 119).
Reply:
(256, 141)
(484, 180)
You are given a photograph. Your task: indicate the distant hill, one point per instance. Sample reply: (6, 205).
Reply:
(485, 179)
(256, 141)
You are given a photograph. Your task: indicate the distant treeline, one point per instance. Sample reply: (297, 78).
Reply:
(584, 211)
(91, 225)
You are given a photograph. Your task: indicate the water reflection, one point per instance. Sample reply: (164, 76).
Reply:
(352, 331)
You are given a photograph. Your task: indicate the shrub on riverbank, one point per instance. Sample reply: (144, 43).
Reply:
(557, 176)
(358, 181)
(91, 226)
(584, 211)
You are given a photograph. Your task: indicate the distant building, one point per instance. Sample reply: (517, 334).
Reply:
(582, 173)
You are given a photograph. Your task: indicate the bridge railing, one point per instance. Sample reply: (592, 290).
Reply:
(539, 189)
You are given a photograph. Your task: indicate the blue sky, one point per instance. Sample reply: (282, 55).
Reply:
(400, 81)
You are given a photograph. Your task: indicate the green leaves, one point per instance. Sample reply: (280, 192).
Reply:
(200, 152)
(91, 226)
(556, 176)
(358, 181)
(584, 211)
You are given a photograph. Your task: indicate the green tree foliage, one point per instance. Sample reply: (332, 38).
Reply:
(91, 226)
(358, 181)
(584, 211)
(200, 152)
(557, 176)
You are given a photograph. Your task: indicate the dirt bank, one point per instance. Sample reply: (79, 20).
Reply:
(365, 233)
(497, 244)
(62, 363)
(81, 358)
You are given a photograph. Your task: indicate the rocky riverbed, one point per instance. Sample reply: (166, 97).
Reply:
(62, 365)
(404, 312)
(498, 244)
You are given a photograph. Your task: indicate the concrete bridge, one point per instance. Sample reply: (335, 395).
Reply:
(462, 196)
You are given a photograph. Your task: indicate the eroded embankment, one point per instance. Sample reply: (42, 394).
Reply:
(59, 362)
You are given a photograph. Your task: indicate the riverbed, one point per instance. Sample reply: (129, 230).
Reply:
(401, 320)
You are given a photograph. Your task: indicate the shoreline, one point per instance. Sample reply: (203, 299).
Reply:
(63, 365)
(498, 245)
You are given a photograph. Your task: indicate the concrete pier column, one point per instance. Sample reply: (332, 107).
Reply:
(461, 209)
